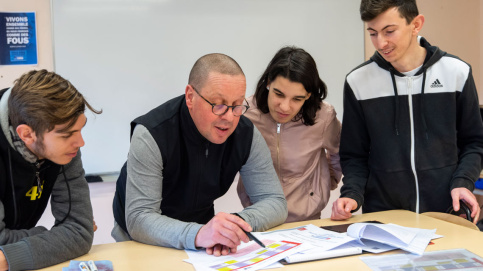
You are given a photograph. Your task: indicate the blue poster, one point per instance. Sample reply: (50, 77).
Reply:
(18, 38)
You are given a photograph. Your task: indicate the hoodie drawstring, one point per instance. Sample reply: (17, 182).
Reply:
(423, 117)
(396, 99)
(13, 190)
(15, 198)
(70, 200)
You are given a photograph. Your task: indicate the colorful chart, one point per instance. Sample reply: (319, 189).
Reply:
(270, 251)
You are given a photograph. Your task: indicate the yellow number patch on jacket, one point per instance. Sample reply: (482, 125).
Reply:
(33, 193)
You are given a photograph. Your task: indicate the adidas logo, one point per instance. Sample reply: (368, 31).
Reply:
(436, 84)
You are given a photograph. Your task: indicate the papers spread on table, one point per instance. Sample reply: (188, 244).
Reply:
(371, 237)
(310, 242)
(322, 242)
(451, 259)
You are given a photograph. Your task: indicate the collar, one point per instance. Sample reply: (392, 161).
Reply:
(10, 133)
(21, 148)
(188, 127)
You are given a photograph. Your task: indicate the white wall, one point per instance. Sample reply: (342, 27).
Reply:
(129, 56)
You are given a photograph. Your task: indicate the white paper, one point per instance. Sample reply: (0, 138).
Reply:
(313, 254)
(322, 242)
(320, 238)
(410, 239)
(199, 257)
(261, 258)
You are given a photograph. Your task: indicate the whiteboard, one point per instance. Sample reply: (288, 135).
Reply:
(129, 56)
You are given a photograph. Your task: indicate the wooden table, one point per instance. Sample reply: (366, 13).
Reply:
(136, 256)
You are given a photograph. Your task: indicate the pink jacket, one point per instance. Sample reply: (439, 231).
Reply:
(306, 159)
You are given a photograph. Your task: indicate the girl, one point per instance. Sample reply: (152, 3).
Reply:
(301, 131)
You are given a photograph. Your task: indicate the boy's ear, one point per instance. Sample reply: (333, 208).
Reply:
(26, 133)
(418, 23)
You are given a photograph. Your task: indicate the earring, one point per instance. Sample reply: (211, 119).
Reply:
(268, 88)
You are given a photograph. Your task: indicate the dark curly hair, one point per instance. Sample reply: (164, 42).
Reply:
(296, 65)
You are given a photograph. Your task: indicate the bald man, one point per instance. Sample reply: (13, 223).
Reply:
(184, 155)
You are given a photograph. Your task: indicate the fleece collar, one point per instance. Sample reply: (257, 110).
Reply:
(10, 133)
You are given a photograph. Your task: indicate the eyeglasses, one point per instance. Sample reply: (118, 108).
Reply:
(220, 109)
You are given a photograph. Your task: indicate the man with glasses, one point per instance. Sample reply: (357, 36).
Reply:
(184, 155)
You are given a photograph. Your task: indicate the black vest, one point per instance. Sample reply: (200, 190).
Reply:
(30, 203)
(195, 171)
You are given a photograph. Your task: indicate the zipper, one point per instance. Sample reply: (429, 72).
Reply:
(413, 155)
(279, 126)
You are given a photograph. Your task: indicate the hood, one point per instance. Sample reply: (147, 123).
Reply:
(433, 54)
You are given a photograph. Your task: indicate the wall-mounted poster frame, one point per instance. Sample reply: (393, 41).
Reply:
(18, 38)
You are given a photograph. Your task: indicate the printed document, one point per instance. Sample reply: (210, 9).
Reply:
(451, 259)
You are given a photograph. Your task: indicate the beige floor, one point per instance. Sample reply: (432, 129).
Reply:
(102, 194)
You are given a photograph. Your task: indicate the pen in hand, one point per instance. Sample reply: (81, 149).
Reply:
(252, 237)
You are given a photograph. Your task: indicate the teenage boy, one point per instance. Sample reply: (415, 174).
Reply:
(412, 137)
(41, 118)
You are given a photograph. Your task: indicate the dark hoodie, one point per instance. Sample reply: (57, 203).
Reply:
(407, 141)
(25, 245)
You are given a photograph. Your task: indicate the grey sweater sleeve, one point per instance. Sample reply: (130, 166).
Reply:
(269, 207)
(144, 184)
(37, 248)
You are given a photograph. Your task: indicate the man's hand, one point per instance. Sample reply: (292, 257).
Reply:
(3, 262)
(95, 226)
(222, 234)
(218, 250)
(342, 207)
(469, 198)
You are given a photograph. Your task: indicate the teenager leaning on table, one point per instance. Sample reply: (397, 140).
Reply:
(41, 119)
